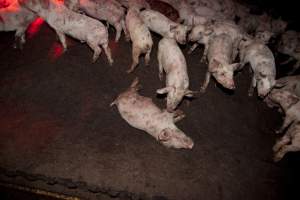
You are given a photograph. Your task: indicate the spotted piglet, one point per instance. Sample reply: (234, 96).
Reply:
(16, 18)
(65, 21)
(220, 50)
(110, 11)
(140, 37)
(160, 24)
(141, 113)
(290, 142)
(172, 61)
(262, 63)
(290, 83)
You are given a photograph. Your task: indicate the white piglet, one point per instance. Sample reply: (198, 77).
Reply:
(290, 142)
(140, 37)
(141, 113)
(186, 12)
(203, 33)
(220, 50)
(162, 25)
(286, 83)
(65, 21)
(290, 83)
(262, 63)
(110, 11)
(172, 61)
(16, 18)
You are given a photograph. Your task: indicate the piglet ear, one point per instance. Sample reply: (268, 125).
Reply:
(280, 84)
(164, 90)
(172, 27)
(294, 98)
(164, 135)
(208, 31)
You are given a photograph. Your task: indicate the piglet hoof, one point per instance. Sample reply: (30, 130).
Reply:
(202, 90)
(203, 60)
(250, 93)
(111, 62)
(190, 51)
(129, 71)
(127, 38)
(277, 158)
(178, 115)
(160, 76)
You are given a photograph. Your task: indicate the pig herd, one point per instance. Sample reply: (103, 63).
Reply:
(232, 38)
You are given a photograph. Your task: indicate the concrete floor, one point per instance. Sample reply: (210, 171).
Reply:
(56, 127)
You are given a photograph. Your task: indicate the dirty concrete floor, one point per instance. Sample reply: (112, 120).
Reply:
(56, 123)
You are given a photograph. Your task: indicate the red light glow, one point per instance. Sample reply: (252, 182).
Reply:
(56, 51)
(26, 131)
(5, 3)
(34, 27)
(113, 47)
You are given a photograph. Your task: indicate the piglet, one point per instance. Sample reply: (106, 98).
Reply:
(141, 113)
(140, 37)
(16, 18)
(262, 63)
(220, 65)
(65, 21)
(160, 24)
(186, 13)
(289, 83)
(290, 45)
(110, 11)
(172, 61)
(203, 33)
(290, 104)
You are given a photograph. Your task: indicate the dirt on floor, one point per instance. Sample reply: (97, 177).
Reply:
(56, 126)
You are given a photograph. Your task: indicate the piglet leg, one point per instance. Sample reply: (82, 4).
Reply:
(62, 39)
(135, 58)
(206, 82)
(108, 54)
(289, 148)
(252, 86)
(178, 115)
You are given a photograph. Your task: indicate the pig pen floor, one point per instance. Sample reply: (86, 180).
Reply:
(58, 132)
